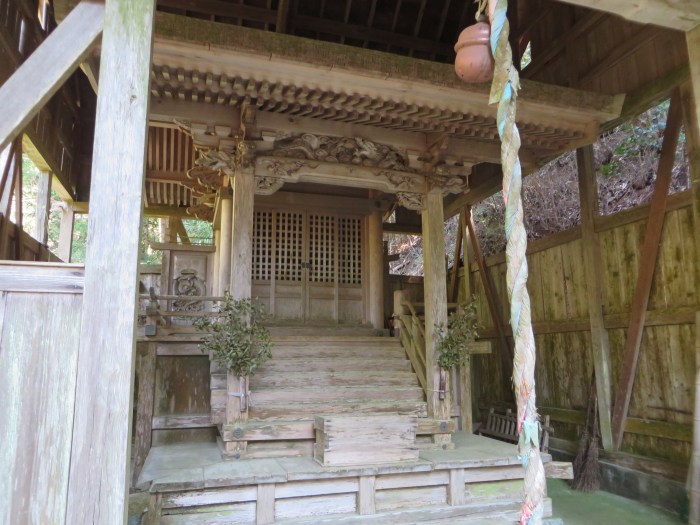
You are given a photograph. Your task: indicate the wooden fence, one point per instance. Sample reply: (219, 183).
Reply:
(661, 411)
(18, 245)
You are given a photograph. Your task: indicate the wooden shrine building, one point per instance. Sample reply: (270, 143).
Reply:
(305, 132)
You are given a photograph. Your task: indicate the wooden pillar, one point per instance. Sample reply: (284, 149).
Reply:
(99, 481)
(242, 236)
(43, 207)
(694, 497)
(146, 374)
(376, 270)
(435, 292)
(225, 242)
(692, 105)
(215, 271)
(241, 288)
(65, 235)
(600, 346)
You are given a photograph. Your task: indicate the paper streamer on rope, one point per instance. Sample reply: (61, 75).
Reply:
(504, 90)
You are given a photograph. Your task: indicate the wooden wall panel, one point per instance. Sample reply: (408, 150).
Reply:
(38, 354)
(182, 385)
(662, 400)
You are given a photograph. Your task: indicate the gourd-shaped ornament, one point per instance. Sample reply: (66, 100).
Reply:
(474, 62)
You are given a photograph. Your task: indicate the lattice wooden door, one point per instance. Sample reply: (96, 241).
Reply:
(307, 266)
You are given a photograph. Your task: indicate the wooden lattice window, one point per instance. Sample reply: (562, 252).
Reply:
(262, 245)
(288, 253)
(322, 248)
(349, 250)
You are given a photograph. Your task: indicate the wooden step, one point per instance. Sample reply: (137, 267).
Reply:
(316, 395)
(336, 340)
(300, 364)
(309, 410)
(348, 378)
(266, 430)
(337, 351)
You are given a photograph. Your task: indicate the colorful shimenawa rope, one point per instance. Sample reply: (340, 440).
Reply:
(504, 88)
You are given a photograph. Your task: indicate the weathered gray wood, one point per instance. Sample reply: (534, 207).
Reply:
(265, 505)
(375, 245)
(694, 517)
(365, 495)
(65, 235)
(242, 241)
(146, 374)
(588, 195)
(38, 359)
(43, 207)
(43, 73)
(225, 243)
(101, 430)
(647, 268)
(435, 297)
(41, 277)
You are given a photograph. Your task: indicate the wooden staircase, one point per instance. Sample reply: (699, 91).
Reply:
(313, 375)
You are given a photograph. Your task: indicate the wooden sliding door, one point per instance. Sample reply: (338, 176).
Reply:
(307, 265)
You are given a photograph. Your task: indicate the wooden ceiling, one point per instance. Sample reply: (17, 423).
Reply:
(418, 28)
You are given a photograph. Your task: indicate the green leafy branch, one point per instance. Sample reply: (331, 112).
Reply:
(453, 344)
(236, 338)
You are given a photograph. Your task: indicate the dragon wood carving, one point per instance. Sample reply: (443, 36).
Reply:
(346, 150)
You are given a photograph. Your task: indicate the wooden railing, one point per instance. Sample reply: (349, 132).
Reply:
(150, 308)
(410, 328)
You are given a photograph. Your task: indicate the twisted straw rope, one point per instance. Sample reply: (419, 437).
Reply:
(504, 88)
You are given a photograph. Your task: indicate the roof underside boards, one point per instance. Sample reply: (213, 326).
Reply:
(199, 61)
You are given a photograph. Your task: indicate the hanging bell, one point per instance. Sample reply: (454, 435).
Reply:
(474, 62)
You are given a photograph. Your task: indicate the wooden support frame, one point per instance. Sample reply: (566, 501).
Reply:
(505, 350)
(43, 73)
(65, 234)
(691, 100)
(435, 298)
(98, 480)
(43, 207)
(600, 345)
(647, 267)
(146, 374)
(376, 270)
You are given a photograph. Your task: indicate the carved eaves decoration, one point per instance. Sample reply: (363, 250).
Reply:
(411, 201)
(357, 151)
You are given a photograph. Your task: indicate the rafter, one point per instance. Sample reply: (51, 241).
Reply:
(676, 14)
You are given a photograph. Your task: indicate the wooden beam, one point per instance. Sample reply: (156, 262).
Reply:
(402, 229)
(694, 495)
(43, 207)
(375, 241)
(505, 351)
(454, 281)
(98, 483)
(379, 36)
(225, 9)
(678, 14)
(600, 345)
(567, 37)
(43, 73)
(647, 267)
(435, 297)
(146, 375)
(65, 234)
(485, 180)
(641, 38)
(466, 378)
(226, 237)
(282, 14)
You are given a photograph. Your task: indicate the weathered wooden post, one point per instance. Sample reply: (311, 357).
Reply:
(692, 129)
(225, 241)
(99, 467)
(435, 285)
(376, 270)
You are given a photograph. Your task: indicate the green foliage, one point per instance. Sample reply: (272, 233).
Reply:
(453, 345)
(236, 338)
